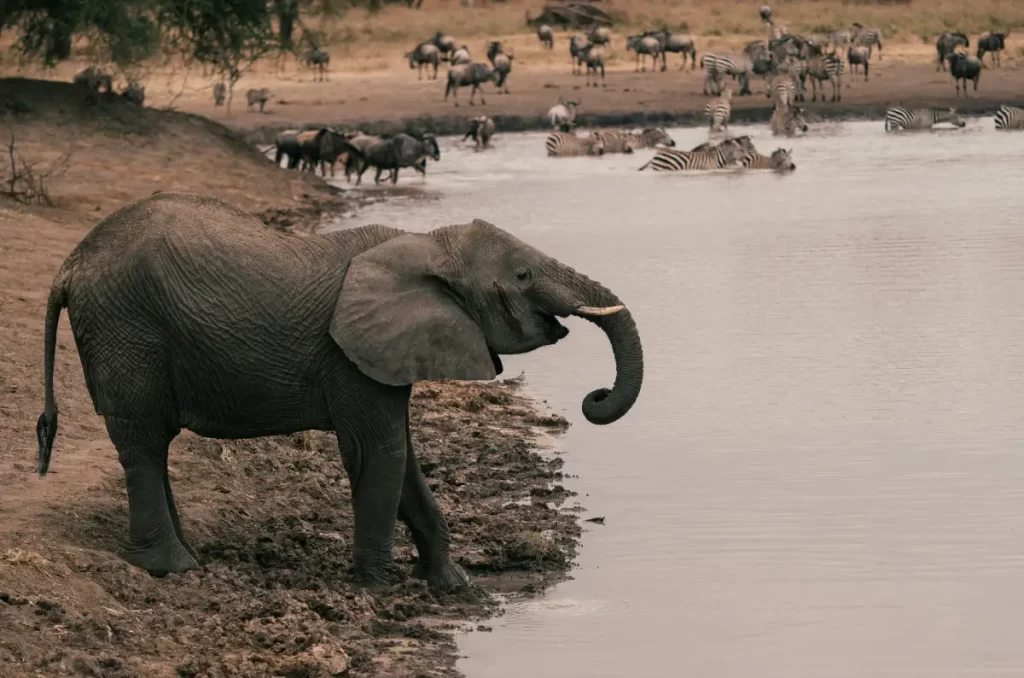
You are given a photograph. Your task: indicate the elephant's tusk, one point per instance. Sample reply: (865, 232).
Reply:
(598, 310)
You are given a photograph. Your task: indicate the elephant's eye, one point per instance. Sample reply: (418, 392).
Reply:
(524, 276)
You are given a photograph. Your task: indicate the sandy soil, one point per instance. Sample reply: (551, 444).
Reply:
(270, 517)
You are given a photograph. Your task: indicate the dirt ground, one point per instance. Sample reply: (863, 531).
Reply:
(271, 517)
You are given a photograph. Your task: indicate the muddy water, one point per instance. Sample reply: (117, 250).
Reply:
(824, 474)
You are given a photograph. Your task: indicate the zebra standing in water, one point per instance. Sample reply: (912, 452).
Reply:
(826, 67)
(670, 160)
(717, 65)
(783, 88)
(1009, 117)
(564, 145)
(618, 142)
(786, 120)
(868, 36)
(720, 110)
(919, 118)
(779, 160)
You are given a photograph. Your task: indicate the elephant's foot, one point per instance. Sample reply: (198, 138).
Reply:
(445, 578)
(170, 557)
(376, 573)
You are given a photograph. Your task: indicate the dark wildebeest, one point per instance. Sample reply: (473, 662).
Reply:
(946, 44)
(991, 41)
(286, 145)
(502, 62)
(393, 154)
(424, 54)
(546, 35)
(481, 130)
(964, 67)
(318, 58)
(468, 75)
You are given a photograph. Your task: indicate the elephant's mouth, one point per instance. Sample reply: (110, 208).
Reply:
(498, 367)
(554, 331)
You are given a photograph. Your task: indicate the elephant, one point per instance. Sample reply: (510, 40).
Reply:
(189, 313)
(395, 153)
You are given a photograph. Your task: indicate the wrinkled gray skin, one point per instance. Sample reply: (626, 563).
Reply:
(190, 314)
(286, 145)
(395, 153)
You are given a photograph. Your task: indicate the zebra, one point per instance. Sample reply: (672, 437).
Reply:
(743, 144)
(719, 110)
(762, 59)
(1009, 118)
(502, 62)
(563, 115)
(615, 141)
(869, 37)
(946, 44)
(593, 56)
(465, 75)
(670, 160)
(780, 160)
(964, 67)
(840, 38)
(424, 54)
(644, 45)
(220, 92)
(459, 56)
(626, 142)
(786, 120)
(859, 55)
(827, 67)
(679, 44)
(565, 145)
(320, 59)
(782, 88)
(546, 35)
(897, 119)
(576, 49)
(797, 70)
(135, 93)
(993, 42)
(717, 65)
(776, 31)
(257, 96)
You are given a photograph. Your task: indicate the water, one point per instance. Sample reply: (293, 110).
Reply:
(824, 474)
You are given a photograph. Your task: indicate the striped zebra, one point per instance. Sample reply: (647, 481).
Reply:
(786, 120)
(1009, 118)
(839, 39)
(782, 88)
(564, 145)
(743, 144)
(826, 67)
(717, 65)
(919, 118)
(780, 160)
(798, 69)
(671, 160)
(720, 110)
(776, 31)
(620, 141)
(869, 36)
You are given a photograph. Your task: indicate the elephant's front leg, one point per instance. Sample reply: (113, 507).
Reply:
(373, 445)
(421, 514)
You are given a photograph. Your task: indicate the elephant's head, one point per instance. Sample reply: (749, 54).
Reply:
(446, 304)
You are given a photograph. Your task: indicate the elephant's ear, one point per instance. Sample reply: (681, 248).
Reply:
(399, 319)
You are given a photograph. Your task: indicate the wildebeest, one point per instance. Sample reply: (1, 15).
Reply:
(576, 53)
(468, 75)
(393, 154)
(502, 62)
(286, 145)
(994, 42)
(424, 54)
(593, 56)
(644, 45)
(460, 56)
(257, 96)
(220, 92)
(332, 148)
(134, 93)
(444, 43)
(546, 35)
(964, 67)
(858, 55)
(318, 58)
(481, 129)
(677, 44)
(563, 115)
(946, 44)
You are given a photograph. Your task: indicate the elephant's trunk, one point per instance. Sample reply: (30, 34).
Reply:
(598, 305)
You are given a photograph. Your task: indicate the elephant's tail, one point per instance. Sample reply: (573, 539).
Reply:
(46, 426)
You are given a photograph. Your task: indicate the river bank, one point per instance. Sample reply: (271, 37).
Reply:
(271, 517)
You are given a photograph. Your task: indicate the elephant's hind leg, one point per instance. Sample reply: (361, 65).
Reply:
(420, 513)
(153, 524)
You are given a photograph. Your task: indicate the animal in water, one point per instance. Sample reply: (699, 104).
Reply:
(361, 142)
(992, 42)
(1009, 118)
(897, 118)
(502, 63)
(781, 160)
(287, 146)
(964, 67)
(424, 54)
(620, 141)
(782, 88)
(719, 110)
(743, 144)
(859, 57)
(309, 148)
(393, 154)
(718, 65)
(257, 96)
(644, 46)
(481, 129)
(826, 67)
(331, 148)
(322, 332)
(220, 92)
(787, 121)
(469, 75)
(135, 93)
(318, 59)
(593, 57)
(676, 43)
(869, 36)
(946, 44)
(92, 80)
(670, 160)
(798, 70)
(460, 56)
(565, 145)
(563, 114)
(546, 35)
(614, 141)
